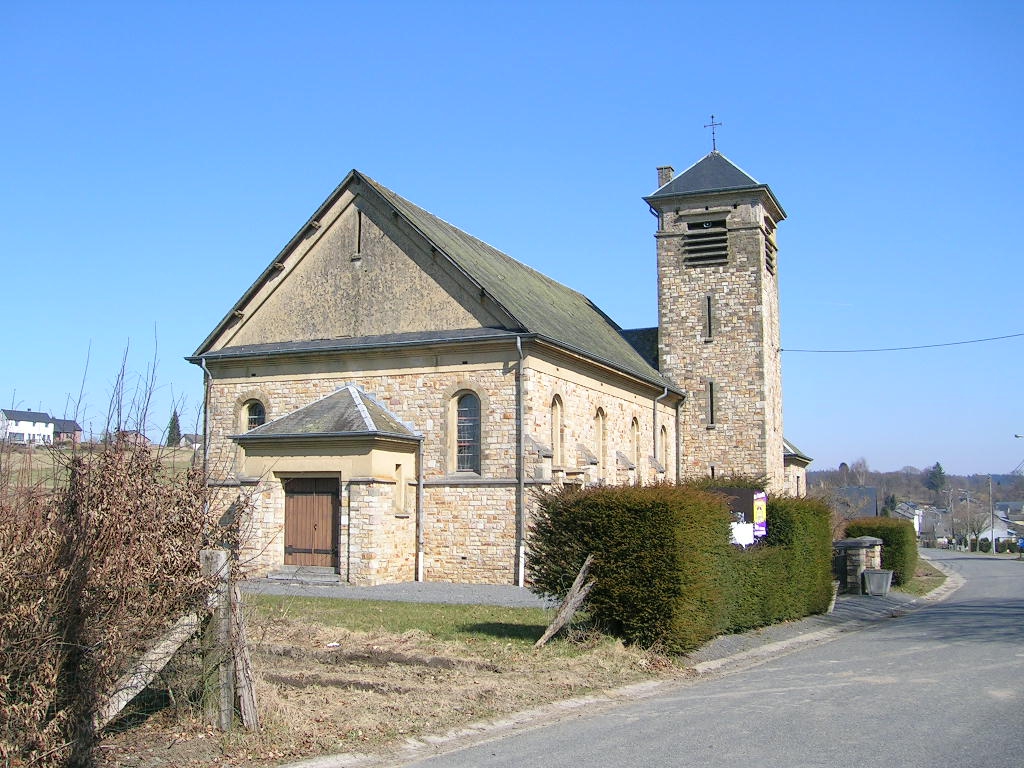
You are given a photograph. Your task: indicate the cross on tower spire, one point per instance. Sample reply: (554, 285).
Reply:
(712, 125)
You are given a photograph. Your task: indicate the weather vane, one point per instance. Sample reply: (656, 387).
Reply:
(712, 125)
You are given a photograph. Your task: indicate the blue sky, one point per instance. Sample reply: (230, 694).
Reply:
(157, 156)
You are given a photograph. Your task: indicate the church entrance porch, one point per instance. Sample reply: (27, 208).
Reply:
(311, 519)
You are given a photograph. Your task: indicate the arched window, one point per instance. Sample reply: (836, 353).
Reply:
(601, 433)
(255, 414)
(634, 430)
(664, 446)
(557, 433)
(467, 430)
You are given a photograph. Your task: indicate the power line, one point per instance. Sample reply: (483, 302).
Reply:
(901, 349)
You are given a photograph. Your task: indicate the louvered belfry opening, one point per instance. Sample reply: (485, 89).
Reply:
(706, 243)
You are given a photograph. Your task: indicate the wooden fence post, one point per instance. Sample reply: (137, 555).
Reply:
(218, 670)
(243, 663)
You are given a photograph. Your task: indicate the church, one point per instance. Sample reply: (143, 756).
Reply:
(391, 391)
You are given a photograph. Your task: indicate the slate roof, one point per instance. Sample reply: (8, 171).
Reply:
(645, 342)
(538, 304)
(66, 426)
(712, 173)
(791, 451)
(347, 412)
(36, 417)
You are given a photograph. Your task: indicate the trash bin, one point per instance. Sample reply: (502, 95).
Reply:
(877, 581)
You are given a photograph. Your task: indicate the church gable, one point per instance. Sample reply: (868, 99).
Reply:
(370, 263)
(355, 271)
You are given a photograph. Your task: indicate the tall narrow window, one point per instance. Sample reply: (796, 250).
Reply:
(601, 433)
(708, 318)
(711, 404)
(255, 414)
(467, 447)
(664, 446)
(634, 430)
(557, 433)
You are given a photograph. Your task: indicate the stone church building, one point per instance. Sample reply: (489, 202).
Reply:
(392, 390)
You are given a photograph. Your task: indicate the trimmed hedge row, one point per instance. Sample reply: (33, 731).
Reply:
(666, 572)
(789, 574)
(899, 543)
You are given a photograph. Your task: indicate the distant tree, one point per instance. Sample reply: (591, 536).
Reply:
(173, 429)
(889, 507)
(860, 470)
(935, 478)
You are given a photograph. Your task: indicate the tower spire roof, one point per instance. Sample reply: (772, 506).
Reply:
(712, 173)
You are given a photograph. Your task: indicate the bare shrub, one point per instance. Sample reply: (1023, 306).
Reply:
(94, 569)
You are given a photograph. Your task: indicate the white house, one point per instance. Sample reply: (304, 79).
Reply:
(26, 427)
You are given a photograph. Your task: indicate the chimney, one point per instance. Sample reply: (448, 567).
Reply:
(665, 174)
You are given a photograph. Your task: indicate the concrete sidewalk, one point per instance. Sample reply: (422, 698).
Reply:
(851, 612)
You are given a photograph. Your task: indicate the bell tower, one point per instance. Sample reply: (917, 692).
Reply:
(718, 317)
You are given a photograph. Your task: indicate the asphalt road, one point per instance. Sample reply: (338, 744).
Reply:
(938, 686)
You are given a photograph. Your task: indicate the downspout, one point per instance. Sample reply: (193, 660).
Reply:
(520, 473)
(679, 441)
(654, 437)
(207, 378)
(419, 513)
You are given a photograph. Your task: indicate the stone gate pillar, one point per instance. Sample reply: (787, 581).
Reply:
(861, 553)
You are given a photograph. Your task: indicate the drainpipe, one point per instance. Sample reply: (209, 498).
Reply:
(654, 436)
(419, 513)
(520, 473)
(679, 441)
(207, 378)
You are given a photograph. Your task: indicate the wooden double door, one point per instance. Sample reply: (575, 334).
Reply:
(311, 516)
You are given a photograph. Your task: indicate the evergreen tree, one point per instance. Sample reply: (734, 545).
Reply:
(889, 507)
(173, 429)
(935, 478)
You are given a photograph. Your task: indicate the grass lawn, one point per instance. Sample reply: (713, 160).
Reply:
(465, 623)
(926, 578)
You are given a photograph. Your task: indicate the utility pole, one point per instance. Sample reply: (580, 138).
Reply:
(992, 514)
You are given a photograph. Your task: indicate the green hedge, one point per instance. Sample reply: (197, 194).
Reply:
(666, 571)
(789, 574)
(899, 543)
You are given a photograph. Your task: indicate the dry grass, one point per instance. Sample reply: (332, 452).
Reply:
(926, 578)
(45, 467)
(325, 689)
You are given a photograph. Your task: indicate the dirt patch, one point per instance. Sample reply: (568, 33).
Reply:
(325, 690)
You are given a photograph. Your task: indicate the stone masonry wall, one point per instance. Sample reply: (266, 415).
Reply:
(381, 545)
(741, 354)
(469, 522)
